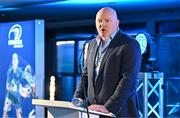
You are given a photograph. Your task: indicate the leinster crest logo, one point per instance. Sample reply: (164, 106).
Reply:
(14, 36)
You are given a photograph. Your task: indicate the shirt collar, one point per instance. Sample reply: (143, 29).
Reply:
(98, 38)
(114, 33)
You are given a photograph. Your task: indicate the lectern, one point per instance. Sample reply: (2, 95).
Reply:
(64, 109)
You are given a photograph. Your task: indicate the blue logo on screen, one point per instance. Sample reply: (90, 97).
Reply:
(14, 36)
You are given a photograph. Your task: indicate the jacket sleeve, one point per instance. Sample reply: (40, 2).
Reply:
(79, 93)
(131, 61)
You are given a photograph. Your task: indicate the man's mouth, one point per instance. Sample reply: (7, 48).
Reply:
(103, 30)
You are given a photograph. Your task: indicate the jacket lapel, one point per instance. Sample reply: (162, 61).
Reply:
(92, 57)
(112, 44)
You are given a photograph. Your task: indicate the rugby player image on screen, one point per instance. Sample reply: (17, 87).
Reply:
(14, 76)
(27, 85)
(19, 84)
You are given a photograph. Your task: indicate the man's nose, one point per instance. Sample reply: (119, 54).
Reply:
(103, 23)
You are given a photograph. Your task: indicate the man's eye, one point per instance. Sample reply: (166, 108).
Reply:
(99, 21)
(107, 20)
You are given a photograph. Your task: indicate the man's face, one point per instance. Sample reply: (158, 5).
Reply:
(106, 23)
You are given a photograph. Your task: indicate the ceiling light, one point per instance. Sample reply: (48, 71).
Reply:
(8, 9)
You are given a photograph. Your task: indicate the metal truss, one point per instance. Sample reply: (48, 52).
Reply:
(150, 90)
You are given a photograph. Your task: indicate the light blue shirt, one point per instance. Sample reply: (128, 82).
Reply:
(102, 49)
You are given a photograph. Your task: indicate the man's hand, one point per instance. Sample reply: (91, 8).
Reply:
(99, 108)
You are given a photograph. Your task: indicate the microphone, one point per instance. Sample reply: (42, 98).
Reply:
(76, 102)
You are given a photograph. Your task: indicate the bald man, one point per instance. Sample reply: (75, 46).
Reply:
(111, 69)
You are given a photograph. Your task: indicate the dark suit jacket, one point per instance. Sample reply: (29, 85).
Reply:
(115, 86)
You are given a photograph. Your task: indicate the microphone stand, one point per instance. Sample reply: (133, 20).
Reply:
(83, 81)
(84, 91)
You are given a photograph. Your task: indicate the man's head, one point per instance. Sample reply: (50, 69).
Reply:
(106, 22)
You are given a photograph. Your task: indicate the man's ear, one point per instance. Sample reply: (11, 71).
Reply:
(118, 22)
